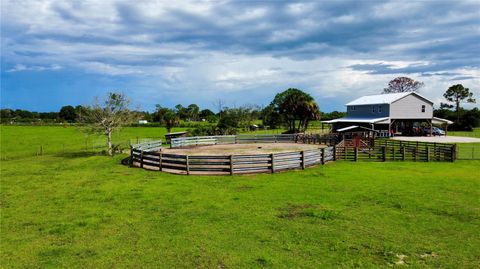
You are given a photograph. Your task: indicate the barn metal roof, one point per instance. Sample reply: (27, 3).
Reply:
(353, 127)
(359, 120)
(382, 99)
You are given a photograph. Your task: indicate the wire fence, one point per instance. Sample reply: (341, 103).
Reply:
(92, 145)
(468, 151)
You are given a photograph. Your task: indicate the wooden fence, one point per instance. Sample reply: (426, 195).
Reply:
(392, 150)
(231, 164)
(248, 138)
(147, 155)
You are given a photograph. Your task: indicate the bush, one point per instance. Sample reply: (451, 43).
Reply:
(210, 130)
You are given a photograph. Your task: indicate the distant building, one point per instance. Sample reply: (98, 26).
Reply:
(142, 122)
(390, 113)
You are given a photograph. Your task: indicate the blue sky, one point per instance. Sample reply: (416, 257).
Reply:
(55, 53)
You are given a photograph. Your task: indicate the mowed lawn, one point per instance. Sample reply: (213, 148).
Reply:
(92, 212)
(79, 209)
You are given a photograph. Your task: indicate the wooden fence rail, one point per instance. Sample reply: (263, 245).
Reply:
(248, 138)
(231, 164)
(147, 155)
(419, 153)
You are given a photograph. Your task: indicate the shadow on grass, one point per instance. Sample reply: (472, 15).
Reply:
(79, 154)
(126, 161)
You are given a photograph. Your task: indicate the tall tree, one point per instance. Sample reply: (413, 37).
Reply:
(294, 106)
(193, 112)
(170, 119)
(159, 113)
(403, 84)
(182, 112)
(458, 94)
(67, 113)
(109, 116)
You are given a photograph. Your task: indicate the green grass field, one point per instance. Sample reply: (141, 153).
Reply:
(83, 210)
(25, 141)
(474, 133)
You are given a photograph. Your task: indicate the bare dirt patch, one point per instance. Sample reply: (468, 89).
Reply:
(238, 149)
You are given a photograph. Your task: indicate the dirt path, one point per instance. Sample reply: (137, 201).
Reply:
(439, 139)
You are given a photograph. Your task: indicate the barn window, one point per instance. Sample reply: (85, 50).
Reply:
(373, 109)
(379, 109)
(423, 108)
(352, 108)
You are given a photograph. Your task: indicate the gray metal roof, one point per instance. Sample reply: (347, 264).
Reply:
(360, 120)
(382, 99)
(353, 127)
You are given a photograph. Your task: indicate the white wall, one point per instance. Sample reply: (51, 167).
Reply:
(410, 107)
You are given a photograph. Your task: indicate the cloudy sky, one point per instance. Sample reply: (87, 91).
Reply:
(55, 53)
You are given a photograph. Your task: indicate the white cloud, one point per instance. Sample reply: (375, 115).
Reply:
(22, 67)
(200, 50)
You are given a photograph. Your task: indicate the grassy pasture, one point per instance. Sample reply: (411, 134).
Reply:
(474, 133)
(81, 210)
(25, 141)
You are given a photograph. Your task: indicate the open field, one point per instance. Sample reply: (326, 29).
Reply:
(25, 141)
(474, 133)
(81, 210)
(90, 211)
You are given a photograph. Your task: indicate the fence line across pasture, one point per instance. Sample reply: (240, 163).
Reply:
(86, 145)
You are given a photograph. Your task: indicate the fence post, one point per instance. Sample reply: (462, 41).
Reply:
(428, 153)
(334, 152)
(303, 159)
(393, 153)
(187, 165)
(160, 162)
(453, 152)
(41, 150)
(323, 156)
(345, 153)
(131, 156)
(384, 154)
(355, 151)
(231, 164)
(403, 152)
(137, 139)
(141, 159)
(272, 158)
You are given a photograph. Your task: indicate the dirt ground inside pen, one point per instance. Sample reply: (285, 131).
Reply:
(239, 149)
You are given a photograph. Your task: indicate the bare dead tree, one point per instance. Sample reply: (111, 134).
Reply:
(219, 105)
(109, 116)
(403, 84)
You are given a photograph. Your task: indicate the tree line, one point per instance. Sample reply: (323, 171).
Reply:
(292, 109)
